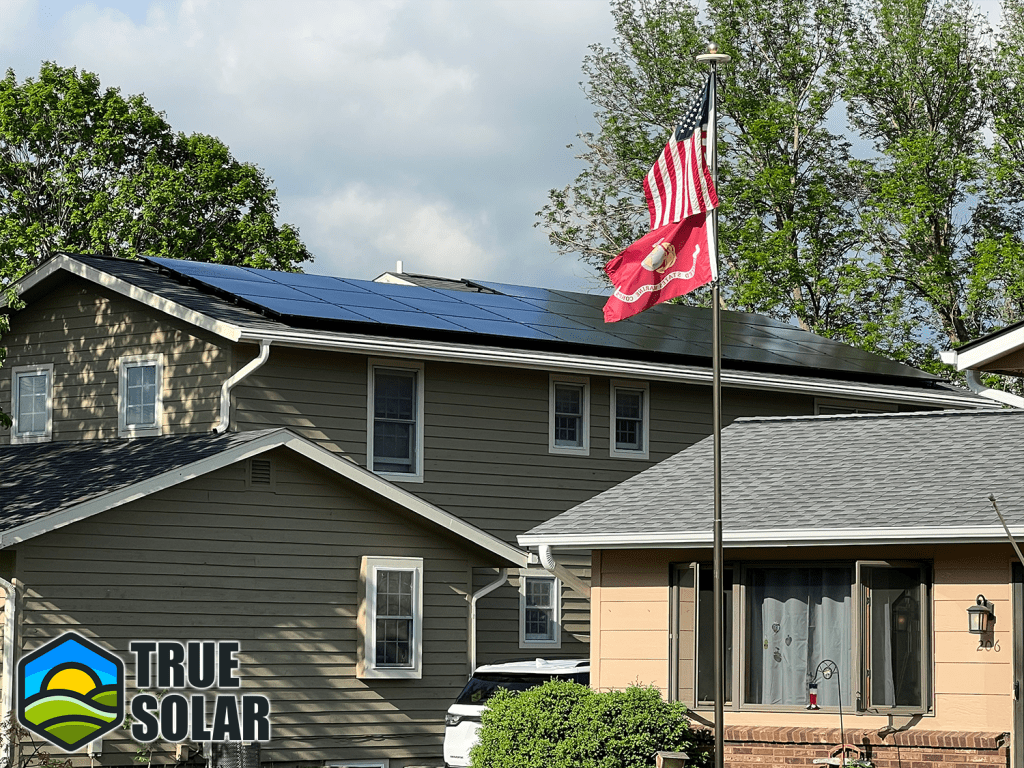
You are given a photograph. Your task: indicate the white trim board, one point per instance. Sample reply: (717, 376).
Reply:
(276, 439)
(772, 537)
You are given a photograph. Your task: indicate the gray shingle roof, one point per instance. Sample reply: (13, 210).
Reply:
(824, 473)
(42, 479)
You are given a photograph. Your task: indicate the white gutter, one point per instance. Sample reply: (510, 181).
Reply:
(552, 566)
(381, 346)
(975, 385)
(229, 384)
(783, 537)
(6, 700)
(482, 592)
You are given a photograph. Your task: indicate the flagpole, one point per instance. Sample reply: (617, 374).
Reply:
(713, 57)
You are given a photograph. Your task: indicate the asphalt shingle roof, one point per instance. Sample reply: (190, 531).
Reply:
(907, 470)
(38, 480)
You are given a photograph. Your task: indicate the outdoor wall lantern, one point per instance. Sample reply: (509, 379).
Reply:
(980, 616)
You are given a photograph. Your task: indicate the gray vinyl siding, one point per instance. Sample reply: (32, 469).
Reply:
(279, 573)
(83, 330)
(486, 456)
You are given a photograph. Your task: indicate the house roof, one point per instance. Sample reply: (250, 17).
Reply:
(983, 352)
(668, 343)
(818, 481)
(46, 486)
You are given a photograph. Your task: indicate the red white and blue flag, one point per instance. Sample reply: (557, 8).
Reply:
(677, 255)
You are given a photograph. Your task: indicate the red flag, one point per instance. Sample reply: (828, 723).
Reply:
(676, 256)
(661, 265)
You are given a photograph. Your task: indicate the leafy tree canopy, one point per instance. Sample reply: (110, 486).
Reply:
(901, 233)
(84, 169)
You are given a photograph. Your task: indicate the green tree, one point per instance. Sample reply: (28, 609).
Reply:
(789, 227)
(84, 169)
(918, 88)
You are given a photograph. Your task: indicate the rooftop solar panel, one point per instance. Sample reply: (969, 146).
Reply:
(526, 313)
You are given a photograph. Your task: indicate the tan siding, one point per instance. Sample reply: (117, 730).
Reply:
(83, 330)
(278, 572)
(973, 686)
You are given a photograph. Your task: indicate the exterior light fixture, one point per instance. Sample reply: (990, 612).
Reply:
(980, 616)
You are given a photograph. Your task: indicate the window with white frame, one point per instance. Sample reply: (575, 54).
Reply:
(140, 396)
(868, 619)
(395, 420)
(629, 420)
(32, 403)
(393, 610)
(569, 415)
(539, 611)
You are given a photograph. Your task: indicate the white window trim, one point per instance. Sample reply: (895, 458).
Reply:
(645, 450)
(370, 566)
(31, 370)
(583, 450)
(395, 365)
(130, 361)
(556, 610)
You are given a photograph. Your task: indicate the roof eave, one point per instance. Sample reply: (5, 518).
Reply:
(276, 439)
(786, 537)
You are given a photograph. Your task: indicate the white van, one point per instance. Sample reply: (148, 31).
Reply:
(462, 723)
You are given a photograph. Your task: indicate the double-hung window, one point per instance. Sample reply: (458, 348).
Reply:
(785, 624)
(395, 428)
(569, 415)
(629, 419)
(32, 403)
(140, 396)
(539, 608)
(392, 614)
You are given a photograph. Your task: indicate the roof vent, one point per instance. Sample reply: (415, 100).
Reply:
(260, 474)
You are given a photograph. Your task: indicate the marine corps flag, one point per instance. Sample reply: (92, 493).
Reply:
(678, 254)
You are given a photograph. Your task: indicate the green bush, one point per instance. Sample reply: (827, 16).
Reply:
(561, 724)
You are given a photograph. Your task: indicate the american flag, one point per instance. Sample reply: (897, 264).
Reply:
(679, 183)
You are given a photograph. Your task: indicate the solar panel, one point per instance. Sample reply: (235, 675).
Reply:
(527, 313)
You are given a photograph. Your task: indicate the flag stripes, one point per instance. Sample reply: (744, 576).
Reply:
(679, 183)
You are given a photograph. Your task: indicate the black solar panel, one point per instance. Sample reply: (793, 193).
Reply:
(527, 313)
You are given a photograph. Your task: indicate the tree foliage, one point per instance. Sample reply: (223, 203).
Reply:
(900, 231)
(84, 169)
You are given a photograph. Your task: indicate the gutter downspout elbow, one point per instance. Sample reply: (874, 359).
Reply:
(482, 592)
(229, 384)
(975, 385)
(549, 564)
(6, 701)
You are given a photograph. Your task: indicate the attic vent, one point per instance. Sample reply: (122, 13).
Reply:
(261, 473)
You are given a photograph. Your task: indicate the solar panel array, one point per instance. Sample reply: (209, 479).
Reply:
(520, 312)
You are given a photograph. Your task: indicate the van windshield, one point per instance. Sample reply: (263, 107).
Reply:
(484, 685)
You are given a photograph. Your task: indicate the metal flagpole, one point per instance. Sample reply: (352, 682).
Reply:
(713, 57)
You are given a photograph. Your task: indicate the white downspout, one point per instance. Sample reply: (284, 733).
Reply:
(484, 591)
(6, 713)
(975, 385)
(229, 384)
(548, 562)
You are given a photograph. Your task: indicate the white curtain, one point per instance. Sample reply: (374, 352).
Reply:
(799, 617)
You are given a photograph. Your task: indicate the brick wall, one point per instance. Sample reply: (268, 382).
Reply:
(748, 746)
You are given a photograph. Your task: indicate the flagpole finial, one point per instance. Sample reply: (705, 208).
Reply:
(713, 56)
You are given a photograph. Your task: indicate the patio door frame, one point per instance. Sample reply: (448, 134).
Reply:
(1018, 665)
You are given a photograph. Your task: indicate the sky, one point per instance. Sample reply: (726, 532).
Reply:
(426, 131)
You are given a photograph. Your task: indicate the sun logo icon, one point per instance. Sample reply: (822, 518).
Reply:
(70, 691)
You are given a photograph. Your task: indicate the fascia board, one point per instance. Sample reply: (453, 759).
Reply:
(381, 487)
(150, 299)
(786, 537)
(987, 351)
(581, 364)
(276, 439)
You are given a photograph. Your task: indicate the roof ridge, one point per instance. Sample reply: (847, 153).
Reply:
(889, 415)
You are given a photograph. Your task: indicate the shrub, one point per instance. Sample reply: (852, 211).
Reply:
(561, 724)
